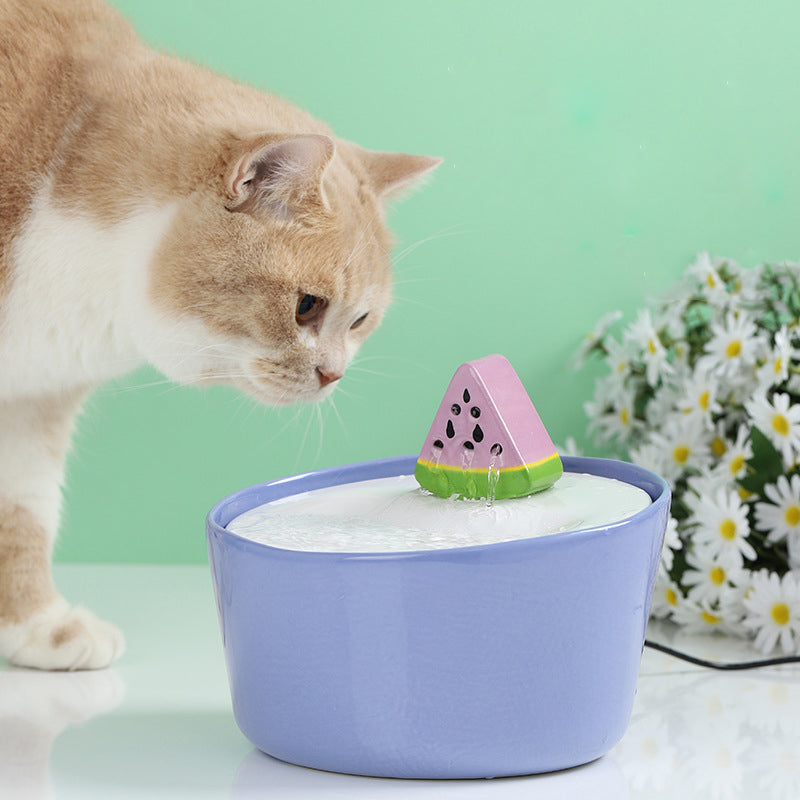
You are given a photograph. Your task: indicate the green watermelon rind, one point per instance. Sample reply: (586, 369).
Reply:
(446, 481)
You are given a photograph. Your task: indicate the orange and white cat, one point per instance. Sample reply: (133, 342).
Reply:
(151, 211)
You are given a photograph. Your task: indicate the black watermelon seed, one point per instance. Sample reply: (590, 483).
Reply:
(469, 445)
(496, 449)
(450, 430)
(439, 444)
(475, 411)
(477, 434)
(456, 409)
(466, 395)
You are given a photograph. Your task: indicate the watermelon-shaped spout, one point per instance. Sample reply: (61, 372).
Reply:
(487, 440)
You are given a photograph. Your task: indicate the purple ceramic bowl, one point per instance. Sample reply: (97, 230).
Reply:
(500, 659)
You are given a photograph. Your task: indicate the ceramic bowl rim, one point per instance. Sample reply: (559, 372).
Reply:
(657, 488)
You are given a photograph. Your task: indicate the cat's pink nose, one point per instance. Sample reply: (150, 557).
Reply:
(327, 376)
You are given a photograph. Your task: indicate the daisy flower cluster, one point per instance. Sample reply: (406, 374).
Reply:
(703, 388)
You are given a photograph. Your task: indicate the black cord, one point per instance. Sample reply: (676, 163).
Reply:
(768, 662)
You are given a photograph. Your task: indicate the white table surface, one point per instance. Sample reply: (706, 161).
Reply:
(159, 723)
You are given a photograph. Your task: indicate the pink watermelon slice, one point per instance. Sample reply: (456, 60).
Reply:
(487, 439)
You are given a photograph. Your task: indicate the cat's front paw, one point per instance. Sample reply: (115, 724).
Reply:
(63, 637)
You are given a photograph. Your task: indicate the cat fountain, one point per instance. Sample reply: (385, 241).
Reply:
(456, 661)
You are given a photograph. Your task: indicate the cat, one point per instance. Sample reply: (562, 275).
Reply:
(152, 211)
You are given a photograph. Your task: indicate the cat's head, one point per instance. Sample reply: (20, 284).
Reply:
(277, 268)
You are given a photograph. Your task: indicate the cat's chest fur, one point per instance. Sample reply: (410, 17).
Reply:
(65, 320)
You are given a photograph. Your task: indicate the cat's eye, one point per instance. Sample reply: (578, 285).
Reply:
(358, 321)
(309, 307)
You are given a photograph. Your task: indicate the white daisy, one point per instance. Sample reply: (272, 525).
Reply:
(733, 461)
(775, 369)
(672, 542)
(712, 578)
(705, 485)
(697, 617)
(779, 421)
(611, 413)
(662, 404)
(699, 395)
(793, 544)
(685, 442)
(780, 517)
(722, 524)
(711, 282)
(655, 355)
(667, 596)
(618, 358)
(732, 347)
(650, 456)
(595, 337)
(773, 611)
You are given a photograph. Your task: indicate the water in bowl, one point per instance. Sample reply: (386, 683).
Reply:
(394, 514)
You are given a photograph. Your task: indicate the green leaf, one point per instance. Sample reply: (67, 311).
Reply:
(765, 466)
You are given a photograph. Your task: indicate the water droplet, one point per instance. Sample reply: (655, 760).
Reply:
(455, 409)
(493, 478)
(497, 448)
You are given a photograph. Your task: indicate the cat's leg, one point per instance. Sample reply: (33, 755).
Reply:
(38, 628)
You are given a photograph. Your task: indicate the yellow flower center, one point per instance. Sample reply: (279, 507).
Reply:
(624, 416)
(733, 349)
(792, 515)
(736, 464)
(778, 365)
(710, 619)
(780, 614)
(681, 453)
(727, 529)
(743, 493)
(651, 346)
(717, 576)
(704, 401)
(780, 424)
(710, 281)
(719, 447)
(671, 597)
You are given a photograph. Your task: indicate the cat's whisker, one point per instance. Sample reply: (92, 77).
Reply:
(296, 413)
(359, 361)
(321, 423)
(301, 449)
(332, 402)
(416, 302)
(366, 371)
(364, 231)
(443, 233)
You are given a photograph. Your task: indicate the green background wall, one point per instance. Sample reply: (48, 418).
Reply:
(592, 149)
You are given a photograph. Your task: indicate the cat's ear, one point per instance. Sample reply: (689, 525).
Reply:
(393, 174)
(278, 176)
